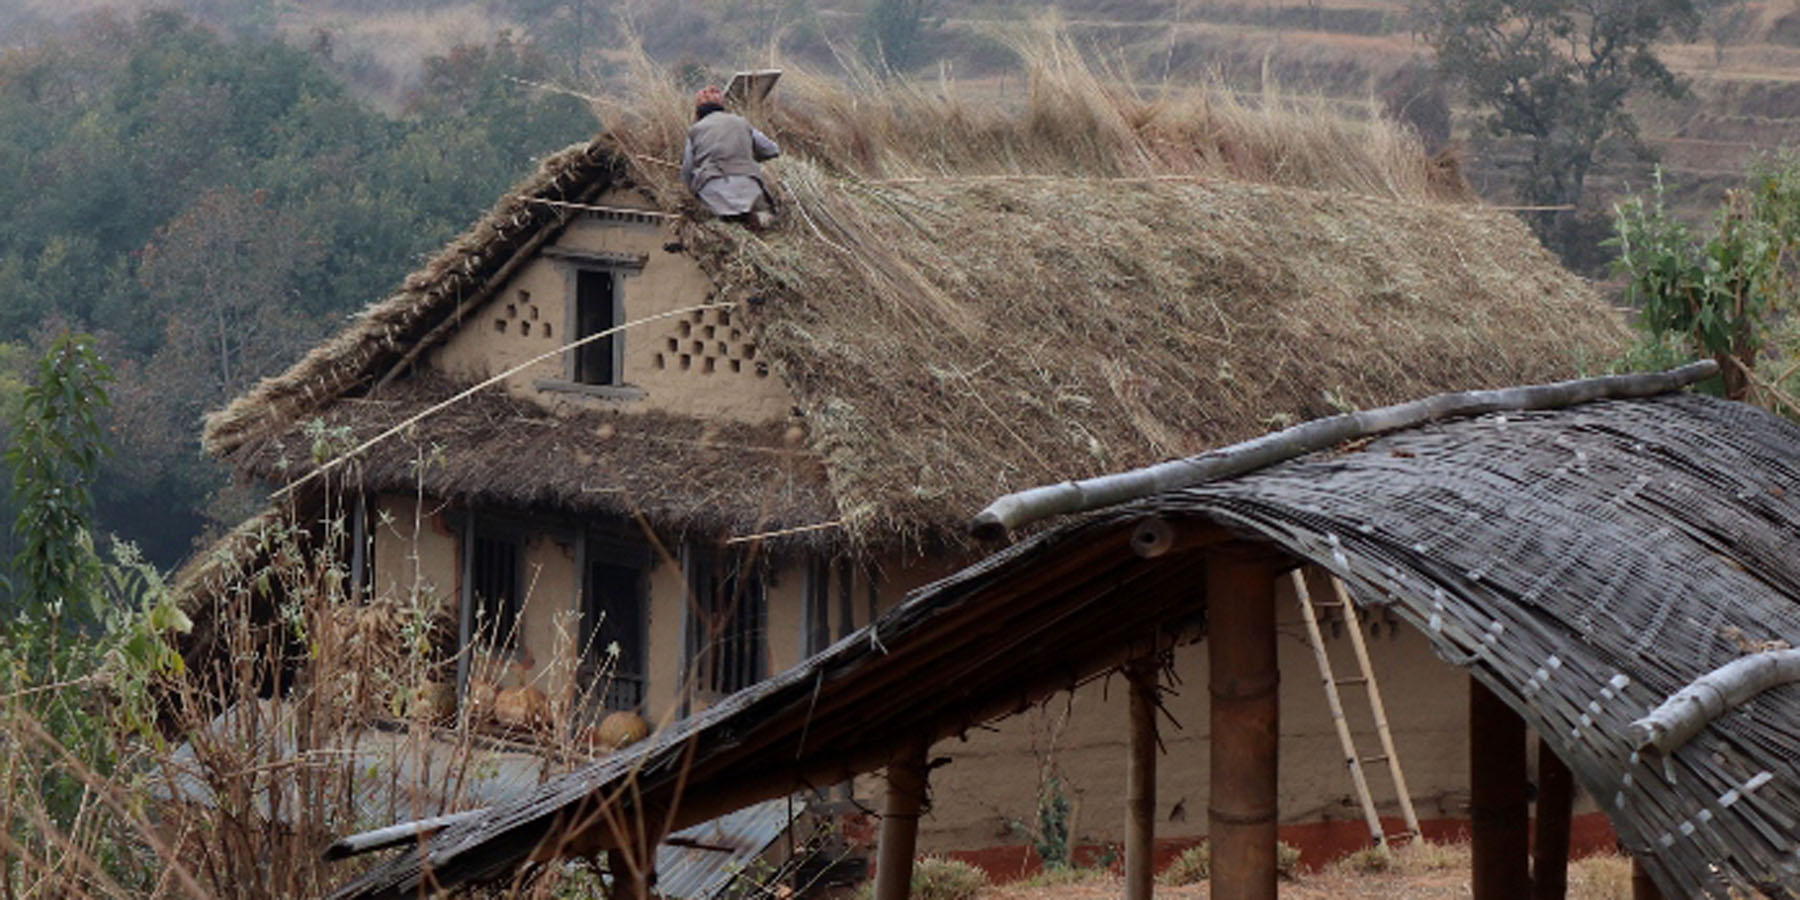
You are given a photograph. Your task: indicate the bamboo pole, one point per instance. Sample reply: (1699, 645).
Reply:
(900, 821)
(1245, 717)
(1140, 781)
(1353, 624)
(1688, 711)
(1500, 823)
(1555, 804)
(1335, 703)
(1013, 510)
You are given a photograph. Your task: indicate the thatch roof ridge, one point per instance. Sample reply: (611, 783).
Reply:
(381, 334)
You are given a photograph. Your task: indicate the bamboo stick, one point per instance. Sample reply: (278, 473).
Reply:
(1353, 623)
(1335, 703)
(1013, 510)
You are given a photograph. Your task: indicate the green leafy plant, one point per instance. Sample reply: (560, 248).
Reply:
(57, 446)
(1193, 866)
(1719, 295)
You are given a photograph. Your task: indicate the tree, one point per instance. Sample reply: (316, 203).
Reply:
(1729, 295)
(1557, 73)
(56, 446)
(891, 32)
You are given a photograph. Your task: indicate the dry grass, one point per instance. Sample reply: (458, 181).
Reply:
(1081, 119)
(1421, 872)
(243, 791)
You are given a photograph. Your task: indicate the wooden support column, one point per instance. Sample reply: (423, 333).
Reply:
(900, 822)
(1642, 888)
(1555, 805)
(1140, 781)
(1245, 715)
(1500, 817)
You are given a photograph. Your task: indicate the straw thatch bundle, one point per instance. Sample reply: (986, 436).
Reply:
(965, 300)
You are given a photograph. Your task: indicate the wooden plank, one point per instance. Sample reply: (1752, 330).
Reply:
(1245, 718)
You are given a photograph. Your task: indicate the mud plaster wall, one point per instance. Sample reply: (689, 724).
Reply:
(700, 364)
(416, 550)
(995, 776)
(431, 564)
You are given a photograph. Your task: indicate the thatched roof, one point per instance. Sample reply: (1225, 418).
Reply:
(950, 339)
(495, 450)
(1584, 563)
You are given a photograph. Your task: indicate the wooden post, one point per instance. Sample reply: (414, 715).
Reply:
(1642, 888)
(900, 822)
(1245, 715)
(1555, 804)
(1500, 819)
(1140, 781)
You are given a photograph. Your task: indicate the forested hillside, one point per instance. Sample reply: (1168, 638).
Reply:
(210, 190)
(209, 206)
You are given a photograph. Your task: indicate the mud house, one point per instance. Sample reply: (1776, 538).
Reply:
(768, 439)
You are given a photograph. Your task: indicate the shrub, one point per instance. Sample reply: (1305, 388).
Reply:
(938, 878)
(1287, 861)
(1193, 866)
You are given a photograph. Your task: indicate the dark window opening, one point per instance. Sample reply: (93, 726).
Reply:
(612, 638)
(596, 311)
(732, 614)
(494, 582)
(818, 606)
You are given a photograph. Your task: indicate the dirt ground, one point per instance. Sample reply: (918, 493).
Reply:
(1443, 872)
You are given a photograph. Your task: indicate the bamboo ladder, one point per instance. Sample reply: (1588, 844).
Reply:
(1354, 758)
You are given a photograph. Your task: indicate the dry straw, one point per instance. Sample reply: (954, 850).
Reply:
(968, 296)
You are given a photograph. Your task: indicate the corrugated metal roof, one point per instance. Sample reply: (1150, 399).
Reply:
(700, 873)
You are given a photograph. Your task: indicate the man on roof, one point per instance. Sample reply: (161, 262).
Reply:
(722, 162)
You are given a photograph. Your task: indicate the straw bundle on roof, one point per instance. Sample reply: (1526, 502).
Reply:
(966, 300)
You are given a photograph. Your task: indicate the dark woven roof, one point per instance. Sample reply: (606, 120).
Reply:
(1584, 563)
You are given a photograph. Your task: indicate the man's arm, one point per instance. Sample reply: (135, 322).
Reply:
(761, 147)
(687, 165)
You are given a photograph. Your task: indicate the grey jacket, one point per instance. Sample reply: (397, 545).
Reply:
(723, 144)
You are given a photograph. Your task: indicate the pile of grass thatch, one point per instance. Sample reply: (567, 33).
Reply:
(1077, 120)
(952, 340)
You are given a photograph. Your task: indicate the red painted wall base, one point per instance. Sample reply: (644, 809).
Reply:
(1319, 843)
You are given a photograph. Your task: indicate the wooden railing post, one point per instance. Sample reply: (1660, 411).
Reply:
(1555, 804)
(906, 774)
(1245, 718)
(1140, 781)
(1499, 816)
